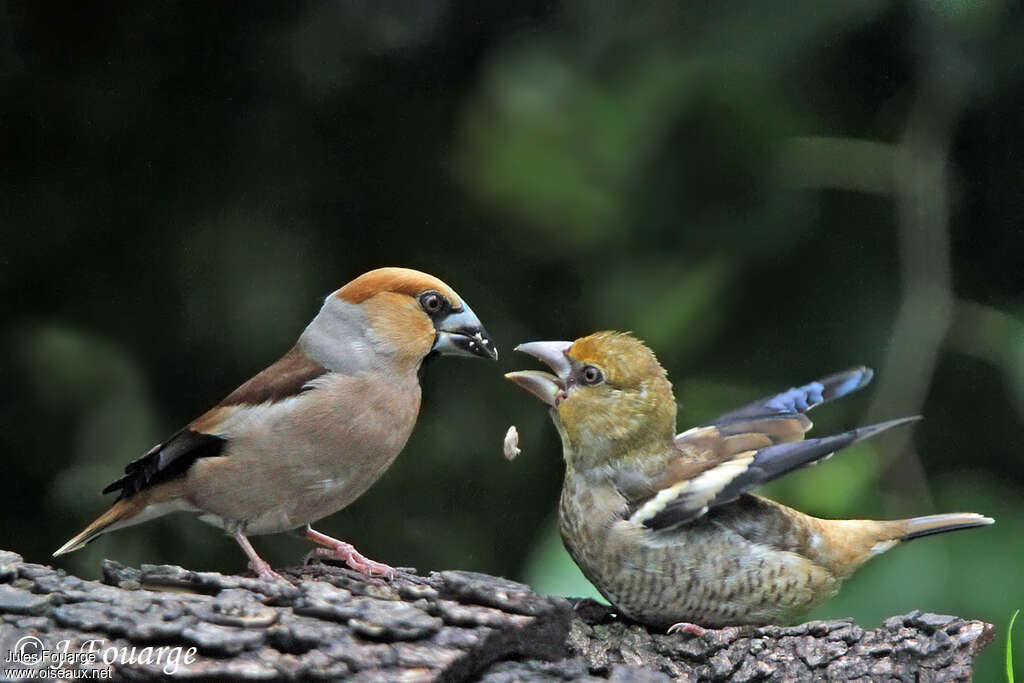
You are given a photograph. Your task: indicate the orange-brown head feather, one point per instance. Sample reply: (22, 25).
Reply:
(398, 318)
(405, 314)
(398, 280)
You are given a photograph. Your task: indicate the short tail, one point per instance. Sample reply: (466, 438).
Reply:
(115, 517)
(918, 527)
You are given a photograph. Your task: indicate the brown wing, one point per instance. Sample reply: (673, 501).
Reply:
(742, 449)
(289, 376)
(703, 448)
(690, 488)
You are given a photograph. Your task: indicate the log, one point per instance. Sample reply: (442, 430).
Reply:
(334, 624)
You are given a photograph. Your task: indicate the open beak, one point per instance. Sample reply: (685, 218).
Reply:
(544, 385)
(460, 333)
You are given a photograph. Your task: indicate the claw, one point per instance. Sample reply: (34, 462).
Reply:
(346, 552)
(688, 628)
(350, 556)
(264, 571)
(256, 563)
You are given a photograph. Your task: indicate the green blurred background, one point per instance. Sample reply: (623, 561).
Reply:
(765, 192)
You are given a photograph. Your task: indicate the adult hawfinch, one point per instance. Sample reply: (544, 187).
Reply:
(311, 433)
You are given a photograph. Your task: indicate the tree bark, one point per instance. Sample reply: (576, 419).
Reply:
(449, 626)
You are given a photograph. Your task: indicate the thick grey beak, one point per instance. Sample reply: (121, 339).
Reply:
(461, 334)
(544, 385)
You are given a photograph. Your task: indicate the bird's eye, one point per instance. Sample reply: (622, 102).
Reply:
(432, 302)
(591, 375)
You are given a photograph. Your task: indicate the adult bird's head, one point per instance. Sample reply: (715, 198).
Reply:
(393, 318)
(609, 396)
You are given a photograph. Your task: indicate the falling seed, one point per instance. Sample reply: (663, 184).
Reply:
(512, 443)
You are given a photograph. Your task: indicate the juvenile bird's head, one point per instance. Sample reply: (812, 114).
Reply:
(609, 396)
(393, 318)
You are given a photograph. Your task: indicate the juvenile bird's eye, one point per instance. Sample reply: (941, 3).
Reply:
(591, 375)
(432, 302)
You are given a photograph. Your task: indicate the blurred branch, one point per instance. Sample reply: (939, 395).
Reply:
(923, 319)
(812, 162)
(915, 172)
(994, 337)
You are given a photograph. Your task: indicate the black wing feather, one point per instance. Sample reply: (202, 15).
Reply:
(800, 399)
(166, 461)
(768, 463)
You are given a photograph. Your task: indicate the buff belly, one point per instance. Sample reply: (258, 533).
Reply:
(275, 476)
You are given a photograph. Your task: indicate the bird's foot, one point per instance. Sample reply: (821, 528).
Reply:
(688, 628)
(263, 570)
(345, 552)
(256, 563)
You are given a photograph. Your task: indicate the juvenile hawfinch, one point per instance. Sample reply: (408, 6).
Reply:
(662, 524)
(308, 435)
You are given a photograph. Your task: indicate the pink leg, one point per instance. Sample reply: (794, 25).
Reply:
(256, 563)
(345, 552)
(688, 628)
